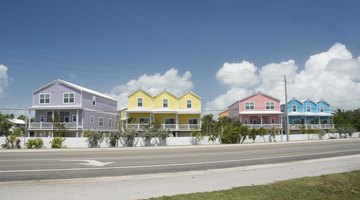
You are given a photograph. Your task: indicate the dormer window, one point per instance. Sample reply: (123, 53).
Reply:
(249, 106)
(140, 102)
(188, 104)
(94, 100)
(44, 98)
(321, 109)
(294, 108)
(165, 103)
(308, 108)
(69, 97)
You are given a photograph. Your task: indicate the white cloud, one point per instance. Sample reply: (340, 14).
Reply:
(171, 80)
(229, 74)
(4, 78)
(72, 76)
(333, 75)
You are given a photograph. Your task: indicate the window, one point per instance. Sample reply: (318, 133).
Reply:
(110, 122)
(44, 98)
(101, 121)
(74, 118)
(140, 102)
(165, 103)
(249, 106)
(308, 108)
(245, 121)
(144, 120)
(270, 105)
(92, 119)
(321, 108)
(42, 118)
(94, 100)
(193, 121)
(272, 120)
(188, 104)
(294, 109)
(69, 97)
(169, 121)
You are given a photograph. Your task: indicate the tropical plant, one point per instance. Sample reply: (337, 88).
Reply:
(208, 125)
(114, 139)
(95, 139)
(57, 142)
(36, 143)
(196, 137)
(128, 137)
(5, 124)
(253, 134)
(262, 132)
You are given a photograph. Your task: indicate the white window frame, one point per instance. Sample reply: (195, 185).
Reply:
(321, 109)
(110, 122)
(68, 97)
(249, 105)
(44, 94)
(74, 116)
(145, 119)
(142, 102)
(271, 104)
(187, 103)
(292, 108)
(92, 119)
(197, 121)
(169, 119)
(42, 118)
(308, 106)
(93, 100)
(167, 103)
(101, 119)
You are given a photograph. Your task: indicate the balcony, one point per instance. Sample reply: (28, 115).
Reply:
(266, 126)
(52, 126)
(311, 126)
(171, 127)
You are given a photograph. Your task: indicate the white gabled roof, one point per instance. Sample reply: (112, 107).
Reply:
(78, 87)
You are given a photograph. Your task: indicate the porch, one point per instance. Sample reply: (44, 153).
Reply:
(55, 126)
(170, 127)
(267, 121)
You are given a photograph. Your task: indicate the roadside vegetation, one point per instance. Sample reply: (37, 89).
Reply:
(332, 187)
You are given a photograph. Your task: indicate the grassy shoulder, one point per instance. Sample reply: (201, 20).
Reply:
(335, 186)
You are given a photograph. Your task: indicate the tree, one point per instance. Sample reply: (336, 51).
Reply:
(262, 133)
(5, 124)
(208, 125)
(22, 117)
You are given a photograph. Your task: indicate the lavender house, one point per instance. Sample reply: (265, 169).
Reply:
(73, 107)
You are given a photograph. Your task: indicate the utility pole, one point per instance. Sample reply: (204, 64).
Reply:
(286, 112)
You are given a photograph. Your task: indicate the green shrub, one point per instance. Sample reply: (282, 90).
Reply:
(57, 142)
(36, 143)
(114, 139)
(94, 139)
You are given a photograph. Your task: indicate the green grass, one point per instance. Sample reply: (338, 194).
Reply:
(336, 186)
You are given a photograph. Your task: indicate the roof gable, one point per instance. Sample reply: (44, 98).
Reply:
(262, 94)
(190, 92)
(165, 91)
(77, 87)
(141, 90)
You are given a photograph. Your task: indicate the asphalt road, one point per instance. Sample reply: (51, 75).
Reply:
(65, 164)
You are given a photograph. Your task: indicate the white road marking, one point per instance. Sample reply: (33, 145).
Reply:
(170, 164)
(89, 162)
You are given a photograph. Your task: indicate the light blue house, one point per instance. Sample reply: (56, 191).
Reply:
(309, 114)
(76, 107)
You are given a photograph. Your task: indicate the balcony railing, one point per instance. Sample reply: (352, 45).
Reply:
(263, 125)
(311, 126)
(171, 127)
(52, 126)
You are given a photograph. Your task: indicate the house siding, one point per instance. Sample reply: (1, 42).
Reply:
(56, 92)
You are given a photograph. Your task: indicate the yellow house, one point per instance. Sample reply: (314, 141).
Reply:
(179, 114)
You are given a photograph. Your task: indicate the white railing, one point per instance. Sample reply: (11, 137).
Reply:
(263, 125)
(311, 126)
(51, 126)
(171, 127)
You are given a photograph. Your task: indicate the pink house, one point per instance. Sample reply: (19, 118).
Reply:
(257, 110)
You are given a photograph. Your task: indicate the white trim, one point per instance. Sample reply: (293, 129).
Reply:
(72, 119)
(142, 102)
(306, 108)
(170, 119)
(292, 108)
(190, 103)
(102, 122)
(44, 98)
(92, 119)
(68, 93)
(273, 102)
(43, 118)
(249, 105)
(197, 120)
(167, 102)
(93, 102)
(321, 107)
(110, 122)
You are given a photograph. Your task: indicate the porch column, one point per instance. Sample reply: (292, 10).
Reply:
(261, 119)
(77, 122)
(29, 121)
(177, 122)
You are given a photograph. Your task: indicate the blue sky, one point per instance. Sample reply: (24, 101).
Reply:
(104, 44)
